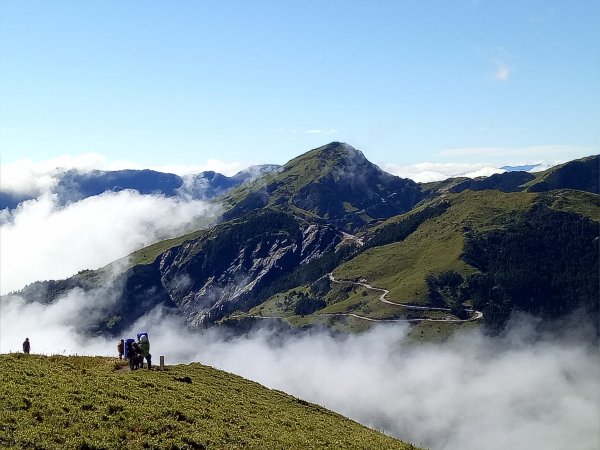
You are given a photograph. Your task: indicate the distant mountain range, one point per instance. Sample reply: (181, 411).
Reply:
(74, 185)
(330, 240)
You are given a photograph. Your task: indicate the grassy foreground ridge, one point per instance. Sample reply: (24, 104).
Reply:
(78, 402)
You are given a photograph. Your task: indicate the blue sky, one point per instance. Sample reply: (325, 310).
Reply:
(181, 82)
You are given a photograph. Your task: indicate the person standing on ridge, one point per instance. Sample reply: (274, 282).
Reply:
(144, 345)
(26, 346)
(121, 348)
(134, 355)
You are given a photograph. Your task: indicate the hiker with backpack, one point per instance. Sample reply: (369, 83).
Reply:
(135, 352)
(144, 346)
(135, 357)
(130, 354)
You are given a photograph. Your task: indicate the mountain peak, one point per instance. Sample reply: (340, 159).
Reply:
(334, 152)
(336, 159)
(335, 182)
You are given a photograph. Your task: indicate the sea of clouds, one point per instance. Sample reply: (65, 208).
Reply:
(43, 239)
(428, 172)
(525, 389)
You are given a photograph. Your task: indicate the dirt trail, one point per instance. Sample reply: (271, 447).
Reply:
(475, 315)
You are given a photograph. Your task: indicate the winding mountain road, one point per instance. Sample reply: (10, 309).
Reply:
(476, 315)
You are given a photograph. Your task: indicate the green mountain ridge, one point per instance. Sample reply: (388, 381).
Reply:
(582, 174)
(330, 211)
(56, 402)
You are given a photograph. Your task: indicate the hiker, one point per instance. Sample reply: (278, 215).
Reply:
(121, 348)
(26, 346)
(144, 345)
(129, 354)
(135, 356)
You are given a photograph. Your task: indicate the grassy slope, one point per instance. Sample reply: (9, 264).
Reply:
(401, 267)
(568, 175)
(579, 202)
(147, 255)
(90, 402)
(435, 246)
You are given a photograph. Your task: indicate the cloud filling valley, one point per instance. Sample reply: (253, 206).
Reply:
(524, 389)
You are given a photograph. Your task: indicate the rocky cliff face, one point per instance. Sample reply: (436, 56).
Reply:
(205, 278)
(213, 276)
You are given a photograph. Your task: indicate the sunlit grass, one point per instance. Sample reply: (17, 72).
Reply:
(57, 402)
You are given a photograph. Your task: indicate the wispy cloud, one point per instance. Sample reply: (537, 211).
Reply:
(502, 62)
(502, 71)
(319, 131)
(542, 16)
(311, 131)
(507, 129)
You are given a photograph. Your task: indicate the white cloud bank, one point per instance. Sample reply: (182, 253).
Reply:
(518, 391)
(428, 172)
(42, 241)
(486, 161)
